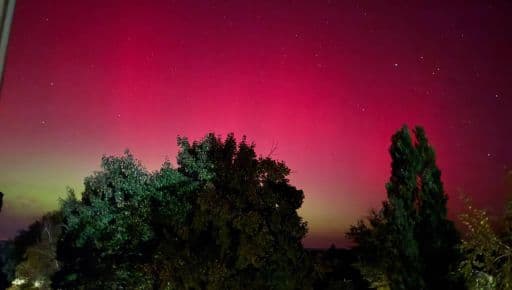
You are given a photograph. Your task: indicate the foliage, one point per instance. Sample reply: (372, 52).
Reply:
(370, 238)
(109, 240)
(224, 219)
(409, 243)
(39, 262)
(487, 260)
(243, 231)
(334, 270)
(15, 249)
(30, 257)
(3, 277)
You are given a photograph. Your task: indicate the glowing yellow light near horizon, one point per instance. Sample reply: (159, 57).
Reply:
(19, 281)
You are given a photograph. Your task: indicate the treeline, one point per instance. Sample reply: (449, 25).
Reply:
(225, 218)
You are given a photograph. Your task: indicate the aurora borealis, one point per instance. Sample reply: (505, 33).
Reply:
(325, 83)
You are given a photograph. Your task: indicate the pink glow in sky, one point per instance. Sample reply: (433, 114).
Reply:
(326, 82)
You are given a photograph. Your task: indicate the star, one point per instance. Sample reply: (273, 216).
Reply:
(52, 84)
(361, 108)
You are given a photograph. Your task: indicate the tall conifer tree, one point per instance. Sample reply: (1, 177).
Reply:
(410, 241)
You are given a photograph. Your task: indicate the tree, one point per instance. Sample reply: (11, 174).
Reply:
(334, 270)
(30, 257)
(223, 219)
(487, 262)
(3, 277)
(15, 249)
(39, 262)
(109, 239)
(244, 232)
(410, 243)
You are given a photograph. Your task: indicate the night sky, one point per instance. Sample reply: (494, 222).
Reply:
(325, 82)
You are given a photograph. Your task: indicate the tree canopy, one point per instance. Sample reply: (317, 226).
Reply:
(222, 219)
(487, 260)
(409, 243)
(38, 262)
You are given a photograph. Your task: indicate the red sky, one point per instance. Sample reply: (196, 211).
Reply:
(327, 82)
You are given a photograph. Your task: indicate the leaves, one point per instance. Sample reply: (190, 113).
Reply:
(224, 219)
(487, 260)
(409, 243)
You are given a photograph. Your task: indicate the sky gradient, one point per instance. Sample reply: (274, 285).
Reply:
(325, 82)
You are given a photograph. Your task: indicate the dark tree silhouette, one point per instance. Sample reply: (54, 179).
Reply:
(487, 260)
(3, 277)
(32, 255)
(15, 249)
(223, 219)
(244, 231)
(410, 243)
(108, 241)
(334, 270)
